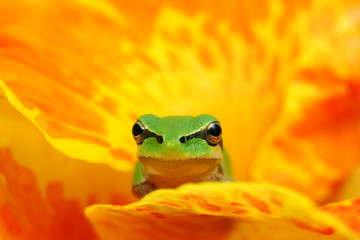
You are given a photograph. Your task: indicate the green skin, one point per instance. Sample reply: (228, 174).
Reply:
(171, 163)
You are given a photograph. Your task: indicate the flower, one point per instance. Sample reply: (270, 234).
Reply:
(281, 76)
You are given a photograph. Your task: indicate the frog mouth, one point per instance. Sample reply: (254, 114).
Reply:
(175, 168)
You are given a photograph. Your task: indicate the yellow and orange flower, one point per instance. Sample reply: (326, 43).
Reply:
(283, 77)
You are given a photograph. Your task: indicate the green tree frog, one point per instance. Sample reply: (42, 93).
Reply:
(174, 150)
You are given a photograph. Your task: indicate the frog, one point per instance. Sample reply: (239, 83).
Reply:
(175, 150)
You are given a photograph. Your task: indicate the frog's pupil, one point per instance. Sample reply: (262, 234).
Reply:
(137, 130)
(215, 130)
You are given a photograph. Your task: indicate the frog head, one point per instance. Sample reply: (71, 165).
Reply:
(178, 144)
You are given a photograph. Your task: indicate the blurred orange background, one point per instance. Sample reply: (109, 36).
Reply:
(283, 78)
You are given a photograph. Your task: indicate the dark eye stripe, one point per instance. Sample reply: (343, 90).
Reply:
(149, 134)
(209, 131)
(199, 134)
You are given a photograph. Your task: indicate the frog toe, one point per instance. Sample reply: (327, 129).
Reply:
(140, 190)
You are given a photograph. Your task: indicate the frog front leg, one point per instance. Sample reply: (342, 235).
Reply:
(141, 187)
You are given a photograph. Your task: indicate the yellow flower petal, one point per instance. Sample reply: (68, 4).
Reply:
(218, 211)
(82, 71)
(348, 212)
(318, 147)
(42, 191)
(315, 139)
(26, 214)
(112, 64)
(350, 188)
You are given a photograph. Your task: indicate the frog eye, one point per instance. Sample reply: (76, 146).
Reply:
(138, 131)
(213, 133)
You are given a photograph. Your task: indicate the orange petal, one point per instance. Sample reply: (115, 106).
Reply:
(26, 214)
(43, 192)
(218, 211)
(350, 189)
(231, 59)
(96, 66)
(348, 212)
(315, 140)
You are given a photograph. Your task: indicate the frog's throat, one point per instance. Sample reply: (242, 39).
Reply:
(180, 170)
(216, 153)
